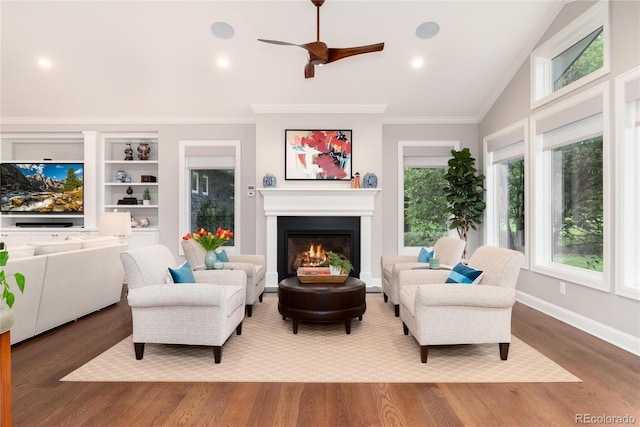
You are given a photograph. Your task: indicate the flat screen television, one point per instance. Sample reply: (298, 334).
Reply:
(55, 188)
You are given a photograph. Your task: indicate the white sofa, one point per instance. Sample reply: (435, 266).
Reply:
(65, 280)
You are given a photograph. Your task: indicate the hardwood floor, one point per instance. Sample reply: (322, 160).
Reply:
(610, 387)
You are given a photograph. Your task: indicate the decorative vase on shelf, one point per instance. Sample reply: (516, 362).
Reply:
(370, 180)
(269, 181)
(210, 259)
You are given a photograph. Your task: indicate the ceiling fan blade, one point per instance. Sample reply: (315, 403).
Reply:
(309, 70)
(278, 42)
(340, 53)
(318, 51)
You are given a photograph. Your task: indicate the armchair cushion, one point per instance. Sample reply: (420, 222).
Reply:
(426, 255)
(463, 274)
(182, 274)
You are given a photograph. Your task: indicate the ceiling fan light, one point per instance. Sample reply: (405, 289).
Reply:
(417, 63)
(223, 62)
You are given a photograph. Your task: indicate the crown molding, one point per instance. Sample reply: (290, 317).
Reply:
(125, 120)
(259, 109)
(429, 120)
(319, 108)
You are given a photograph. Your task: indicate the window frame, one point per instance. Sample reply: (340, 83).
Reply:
(204, 185)
(541, 187)
(436, 144)
(541, 58)
(509, 137)
(184, 187)
(624, 215)
(195, 182)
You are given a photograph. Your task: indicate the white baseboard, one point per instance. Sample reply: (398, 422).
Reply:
(616, 337)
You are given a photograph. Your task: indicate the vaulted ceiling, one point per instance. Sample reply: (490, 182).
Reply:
(146, 59)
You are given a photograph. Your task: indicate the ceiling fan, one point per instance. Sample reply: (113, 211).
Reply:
(319, 53)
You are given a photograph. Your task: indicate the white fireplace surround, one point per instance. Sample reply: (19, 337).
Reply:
(318, 202)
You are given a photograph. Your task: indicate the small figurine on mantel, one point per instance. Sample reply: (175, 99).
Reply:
(128, 152)
(355, 180)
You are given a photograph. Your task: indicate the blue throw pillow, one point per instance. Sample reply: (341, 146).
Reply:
(464, 274)
(182, 274)
(425, 255)
(222, 256)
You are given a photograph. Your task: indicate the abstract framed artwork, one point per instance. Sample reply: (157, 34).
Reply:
(317, 154)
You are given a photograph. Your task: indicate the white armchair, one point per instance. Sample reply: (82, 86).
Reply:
(437, 313)
(201, 313)
(448, 250)
(253, 265)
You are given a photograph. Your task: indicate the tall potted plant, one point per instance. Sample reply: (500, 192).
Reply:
(465, 194)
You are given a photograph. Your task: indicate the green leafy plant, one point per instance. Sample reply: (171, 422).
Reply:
(465, 193)
(7, 295)
(338, 261)
(146, 194)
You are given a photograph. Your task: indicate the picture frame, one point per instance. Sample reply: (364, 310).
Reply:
(318, 155)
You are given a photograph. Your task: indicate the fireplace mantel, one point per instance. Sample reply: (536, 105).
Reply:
(318, 202)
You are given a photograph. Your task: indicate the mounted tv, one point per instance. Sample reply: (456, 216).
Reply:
(55, 188)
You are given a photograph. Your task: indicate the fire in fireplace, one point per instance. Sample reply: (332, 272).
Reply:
(303, 242)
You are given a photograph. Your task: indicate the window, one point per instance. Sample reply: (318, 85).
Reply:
(575, 56)
(571, 227)
(505, 173)
(628, 184)
(195, 182)
(205, 185)
(214, 197)
(423, 205)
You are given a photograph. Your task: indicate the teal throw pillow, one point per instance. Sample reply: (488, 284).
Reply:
(222, 256)
(425, 255)
(182, 274)
(465, 275)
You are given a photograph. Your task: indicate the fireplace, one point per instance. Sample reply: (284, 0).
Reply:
(303, 241)
(319, 202)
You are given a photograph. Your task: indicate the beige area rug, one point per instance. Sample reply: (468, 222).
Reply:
(375, 351)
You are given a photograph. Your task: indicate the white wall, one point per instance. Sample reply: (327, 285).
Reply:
(366, 149)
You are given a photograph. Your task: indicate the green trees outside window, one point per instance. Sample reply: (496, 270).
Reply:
(578, 204)
(510, 178)
(425, 206)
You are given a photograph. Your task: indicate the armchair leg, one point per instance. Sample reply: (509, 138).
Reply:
(139, 349)
(504, 350)
(405, 328)
(397, 309)
(424, 351)
(385, 297)
(217, 353)
(260, 297)
(239, 329)
(249, 310)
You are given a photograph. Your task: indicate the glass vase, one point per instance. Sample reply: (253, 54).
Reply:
(210, 259)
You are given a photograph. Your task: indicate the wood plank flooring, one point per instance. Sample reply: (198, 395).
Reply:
(611, 387)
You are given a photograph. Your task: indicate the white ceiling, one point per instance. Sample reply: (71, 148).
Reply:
(144, 59)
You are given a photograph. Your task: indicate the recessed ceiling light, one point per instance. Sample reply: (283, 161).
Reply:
(223, 62)
(44, 63)
(222, 30)
(417, 63)
(426, 30)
